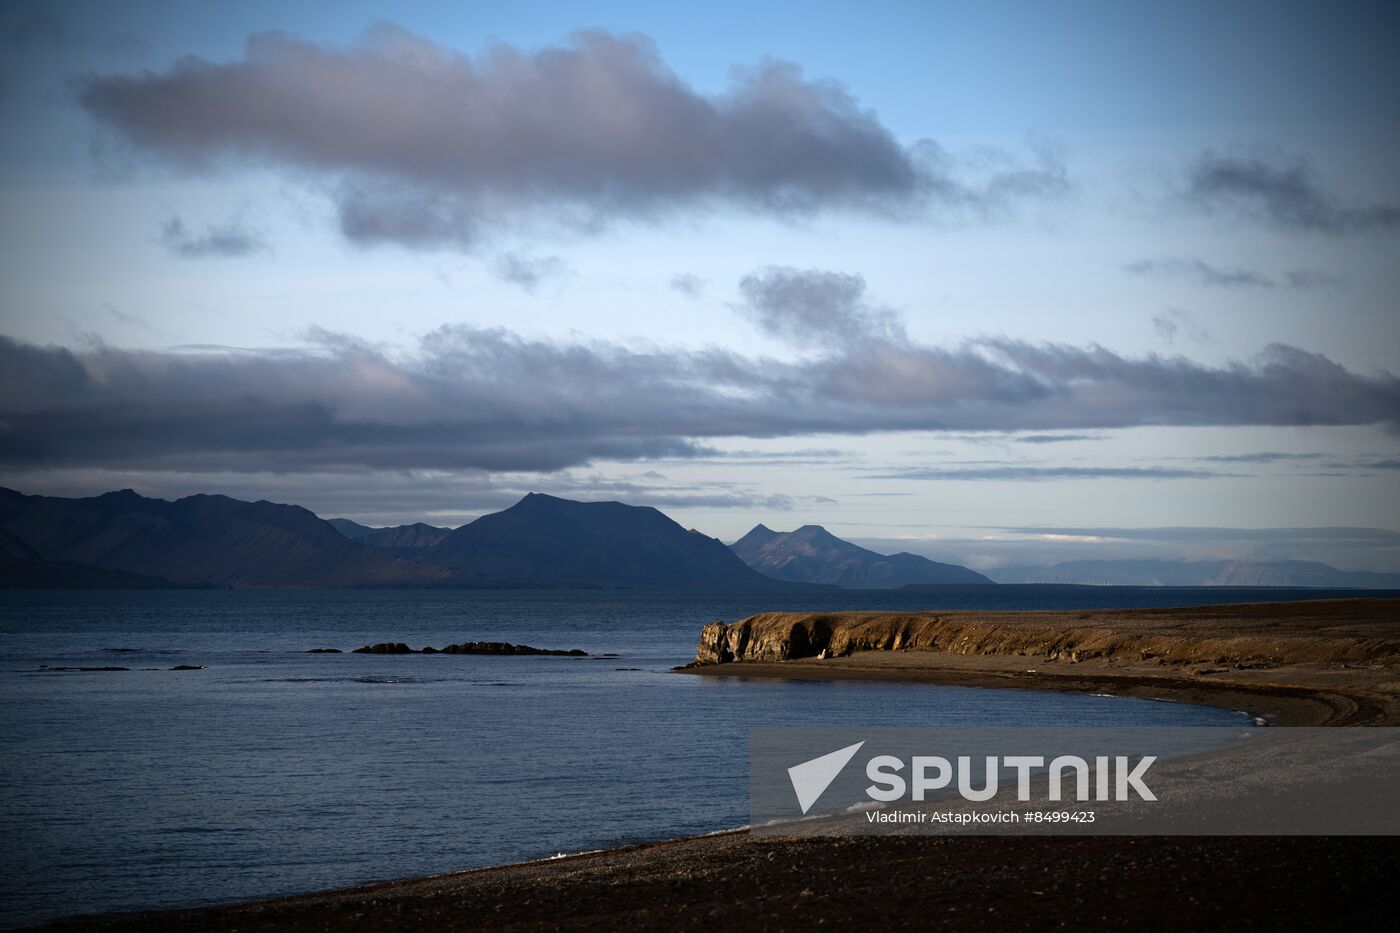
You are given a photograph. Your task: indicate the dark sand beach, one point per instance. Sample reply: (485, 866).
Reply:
(1314, 663)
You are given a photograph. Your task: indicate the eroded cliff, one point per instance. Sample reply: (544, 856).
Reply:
(1351, 631)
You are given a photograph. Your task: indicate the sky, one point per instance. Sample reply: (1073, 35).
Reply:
(997, 283)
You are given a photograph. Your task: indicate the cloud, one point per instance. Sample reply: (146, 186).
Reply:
(485, 398)
(392, 497)
(1056, 438)
(814, 307)
(1202, 273)
(1011, 473)
(1311, 278)
(528, 272)
(687, 285)
(1361, 537)
(1280, 190)
(1171, 322)
(427, 147)
(230, 239)
(1349, 548)
(1260, 456)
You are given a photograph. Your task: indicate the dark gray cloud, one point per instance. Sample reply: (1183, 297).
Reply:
(1200, 272)
(431, 147)
(230, 239)
(688, 285)
(476, 398)
(1281, 190)
(1260, 456)
(815, 307)
(1055, 438)
(529, 272)
(1015, 473)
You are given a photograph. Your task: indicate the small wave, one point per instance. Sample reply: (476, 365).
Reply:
(337, 680)
(559, 855)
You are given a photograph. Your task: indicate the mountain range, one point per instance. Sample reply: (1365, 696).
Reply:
(122, 539)
(811, 554)
(202, 541)
(125, 539)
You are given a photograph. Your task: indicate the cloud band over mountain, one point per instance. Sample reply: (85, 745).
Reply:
(469, 397)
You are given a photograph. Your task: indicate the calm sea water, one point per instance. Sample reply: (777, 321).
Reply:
(274, 771)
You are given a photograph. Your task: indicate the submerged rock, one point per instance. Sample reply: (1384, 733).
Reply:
(188, 667)
(324, 651)
(45, 667)
(469, 647)
(502, 647)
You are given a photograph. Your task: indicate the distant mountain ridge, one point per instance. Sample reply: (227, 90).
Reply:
(1199, 573)
(811, 554)
(547, 539)
(406, 541)
(201, 540)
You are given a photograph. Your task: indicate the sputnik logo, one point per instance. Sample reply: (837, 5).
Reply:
(811, 778)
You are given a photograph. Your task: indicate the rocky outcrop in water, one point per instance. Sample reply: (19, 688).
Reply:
(501, 647)
(471, 647)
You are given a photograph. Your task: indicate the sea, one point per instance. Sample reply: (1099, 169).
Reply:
(269, 770)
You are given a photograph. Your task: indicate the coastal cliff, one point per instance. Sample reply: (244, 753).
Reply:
(1249, 635)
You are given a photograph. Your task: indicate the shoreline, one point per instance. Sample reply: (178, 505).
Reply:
(1276, 704)
(735, 880)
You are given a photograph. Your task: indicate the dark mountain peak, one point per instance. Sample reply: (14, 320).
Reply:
(548, 539)
(123, 499)
(816, 534)
(758, 535)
